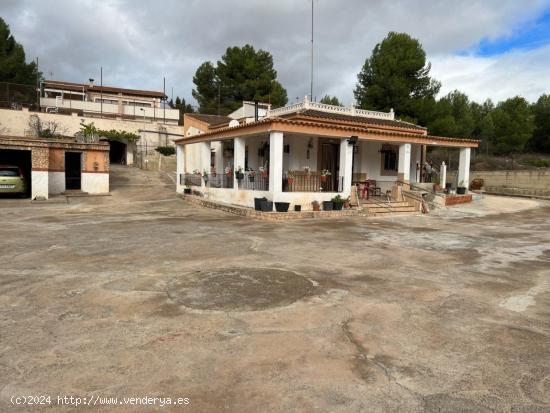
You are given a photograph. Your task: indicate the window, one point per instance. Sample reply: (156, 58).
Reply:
(389, 156)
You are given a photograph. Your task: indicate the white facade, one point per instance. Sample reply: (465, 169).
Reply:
(95, 183)
(56, 182)
(40, 184)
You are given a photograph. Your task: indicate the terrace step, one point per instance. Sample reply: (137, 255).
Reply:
(388, 208)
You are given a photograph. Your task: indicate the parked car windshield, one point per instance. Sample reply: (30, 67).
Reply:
(9, 172)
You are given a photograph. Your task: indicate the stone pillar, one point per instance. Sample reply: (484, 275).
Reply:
(464, 168)
(346, 161)
(443, 175)
(404, 163)
(204, 152)
(276, 164)
(180, 167)
(40, 158)
(239, 147)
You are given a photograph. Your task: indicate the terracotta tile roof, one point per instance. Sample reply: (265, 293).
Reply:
(355, 119)
(77, 87)
(360, 129)
(212, 120)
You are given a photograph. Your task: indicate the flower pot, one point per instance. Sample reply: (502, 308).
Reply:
(251, 178)
(323, 178)
(297, 208)
(461, 190)
(347, 205)
(187, 191)
(282, 206)
(258, 203)
(290, 181)
(316, 206)
(337, 206)
(239, 176)
(266, 206)
(327, 205)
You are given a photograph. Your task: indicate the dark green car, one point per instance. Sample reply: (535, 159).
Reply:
(12, 180)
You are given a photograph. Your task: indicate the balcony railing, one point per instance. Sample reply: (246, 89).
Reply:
(220, 181)
(128, 111)
(313, 183)
(254, 182)
(190, 179)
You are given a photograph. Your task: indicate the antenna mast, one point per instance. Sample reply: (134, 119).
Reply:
(311, 74)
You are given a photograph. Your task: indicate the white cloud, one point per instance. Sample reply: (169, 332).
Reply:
(524, 73)
(138, 42)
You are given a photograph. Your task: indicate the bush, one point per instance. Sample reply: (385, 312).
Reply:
(166, 150)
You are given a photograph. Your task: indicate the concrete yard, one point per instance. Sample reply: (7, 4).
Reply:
(141, 294)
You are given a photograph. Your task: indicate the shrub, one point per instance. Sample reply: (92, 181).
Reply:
(166, 150)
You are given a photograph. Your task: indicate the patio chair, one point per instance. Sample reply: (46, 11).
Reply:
(372, 188)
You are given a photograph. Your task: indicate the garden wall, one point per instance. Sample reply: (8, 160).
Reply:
(534, 182)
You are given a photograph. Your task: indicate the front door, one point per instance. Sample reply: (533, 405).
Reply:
(329, 160)
(73, 168)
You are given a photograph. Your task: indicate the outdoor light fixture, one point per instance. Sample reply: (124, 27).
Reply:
(353, 140)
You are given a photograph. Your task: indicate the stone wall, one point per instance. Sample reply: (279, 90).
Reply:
(156, 162)
(534, 182)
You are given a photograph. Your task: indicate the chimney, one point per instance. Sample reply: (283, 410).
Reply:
(255, 111)
(91, 82)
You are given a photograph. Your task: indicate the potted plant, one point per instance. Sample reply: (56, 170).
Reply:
(461, 188)
(325, 173)
(290, 178)
(316, 206)
(307, 170)
(251, 175)
(297, 208)
(337, 203)
(327, 205)
(266, 206)
(187, 190)
(258, 203)
(205, 176)
(282, 206)
(263, 171)
(228, 171)
(347, 203)
(239, 173)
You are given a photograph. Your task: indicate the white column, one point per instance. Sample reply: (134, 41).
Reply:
(218, 158)
(204, 151)
(238, 159)
(180, 167)
(464, 168)
(276, 164)
(404, 164)
(346, 161)
(443, 175)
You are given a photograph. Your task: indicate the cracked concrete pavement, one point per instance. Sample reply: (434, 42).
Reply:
(140, 294)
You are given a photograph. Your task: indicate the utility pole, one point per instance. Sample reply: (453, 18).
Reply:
(219, 97)
(37, 85)
(311, 84)
(101, 90)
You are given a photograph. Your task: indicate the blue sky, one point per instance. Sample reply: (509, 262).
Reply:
(527, 36)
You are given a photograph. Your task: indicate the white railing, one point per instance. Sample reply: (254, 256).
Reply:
(110, 108)
(322, 107)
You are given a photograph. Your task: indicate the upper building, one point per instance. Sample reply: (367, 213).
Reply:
(91, 100)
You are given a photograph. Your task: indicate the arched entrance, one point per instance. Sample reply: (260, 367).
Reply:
(117, 153)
